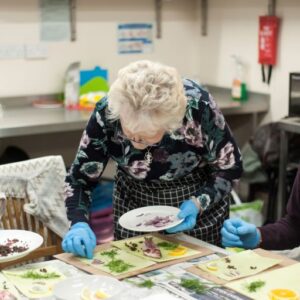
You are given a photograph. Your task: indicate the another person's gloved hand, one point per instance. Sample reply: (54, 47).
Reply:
(80, 240)
(189, 212)
(238, 233)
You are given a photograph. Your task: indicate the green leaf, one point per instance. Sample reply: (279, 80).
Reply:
(111, 254)
(118, 266)
(31, 274)
(196, 286)
(167, 245)
(255, 285)
(147, 284)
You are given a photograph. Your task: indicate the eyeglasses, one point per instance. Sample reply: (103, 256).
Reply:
(141, 142)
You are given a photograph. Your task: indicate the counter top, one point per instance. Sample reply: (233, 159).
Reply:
(19, 117)
(291, 124)
(256, 102)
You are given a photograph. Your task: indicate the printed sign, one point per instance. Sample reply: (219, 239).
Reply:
(135, 38)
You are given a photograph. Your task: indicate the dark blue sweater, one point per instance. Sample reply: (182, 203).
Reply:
(285, 233)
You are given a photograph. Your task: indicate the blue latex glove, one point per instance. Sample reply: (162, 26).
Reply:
(188, 212)
(80, 240)
(238, 233)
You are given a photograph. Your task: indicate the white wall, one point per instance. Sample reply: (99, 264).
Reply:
(233, 29)
(96, 41)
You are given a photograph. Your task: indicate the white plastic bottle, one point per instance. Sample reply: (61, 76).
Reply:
(239, 90)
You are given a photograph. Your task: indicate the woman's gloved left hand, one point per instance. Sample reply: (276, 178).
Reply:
(189, 212)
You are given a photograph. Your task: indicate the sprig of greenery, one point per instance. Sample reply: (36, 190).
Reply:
(255, 285)
(118, 266)
(37, 275)
(111, 254)
(196, 286)
(167, 245)
(146, 283)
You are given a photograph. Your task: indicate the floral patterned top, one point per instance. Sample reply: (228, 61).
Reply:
(204, 140)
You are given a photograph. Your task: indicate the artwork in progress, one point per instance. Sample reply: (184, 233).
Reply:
(34, 282)
(88, 294)
(238, 265)
(133, 256)
(150, 218)
(116, 261)
(88, 287)
(15, 243)
(279, 284)
(155, 249)
(11, 246)
(7, 290)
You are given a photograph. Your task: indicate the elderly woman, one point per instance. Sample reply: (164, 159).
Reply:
(172, 147)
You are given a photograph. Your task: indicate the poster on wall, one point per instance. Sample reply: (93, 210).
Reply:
(55, 20)
(135, 38)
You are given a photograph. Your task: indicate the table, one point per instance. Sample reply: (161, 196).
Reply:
(71, 271)
(20, 118)
(159, 276)
(64, 268)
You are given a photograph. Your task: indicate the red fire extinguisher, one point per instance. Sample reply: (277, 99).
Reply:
(267, 44)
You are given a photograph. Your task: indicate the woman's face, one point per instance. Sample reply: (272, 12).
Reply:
(141, 140)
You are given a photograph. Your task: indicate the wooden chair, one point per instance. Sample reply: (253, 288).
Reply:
(16, 218)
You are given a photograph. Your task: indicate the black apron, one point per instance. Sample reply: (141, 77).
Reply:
(130, 193)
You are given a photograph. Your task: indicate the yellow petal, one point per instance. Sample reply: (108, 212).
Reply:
(283, 294)
(100, 295)
(179, 251)
(212, 266)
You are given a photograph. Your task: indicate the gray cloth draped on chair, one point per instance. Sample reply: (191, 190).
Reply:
(41, 181)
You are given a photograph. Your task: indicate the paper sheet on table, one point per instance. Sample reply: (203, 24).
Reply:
(172, 282)
(167, 255)
(55, 20)
(34, 288)
(284, 281)
(238, 265)
(7, 287)
(100, 261)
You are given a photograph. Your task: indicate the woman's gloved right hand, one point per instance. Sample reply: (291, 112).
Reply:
(80, 240)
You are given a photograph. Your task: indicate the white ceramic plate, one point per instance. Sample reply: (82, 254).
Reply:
(29, 239)
(73, 288)
(150, 218)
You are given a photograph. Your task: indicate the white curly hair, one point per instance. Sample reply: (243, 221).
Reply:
(147, 96)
